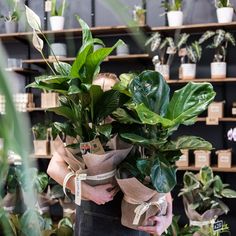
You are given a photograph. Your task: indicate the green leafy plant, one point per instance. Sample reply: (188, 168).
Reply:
(60, 10)
(204, 191)
(221, 40)
(138, 10)
(13, 15)
(194, 52)
(150, 118)
(84, 105)
(40, 131)
(222, 3)
(173, 5)
(166, 47)
(175, 230)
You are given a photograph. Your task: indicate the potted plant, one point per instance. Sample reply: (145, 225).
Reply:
(41, 142)
(193, 54)
(11, 20)
(148, 121)
(57, 18)
(221, 39)
(224, 11)
(139, 15)
(202, 196)
(174, 13)
(166, 48)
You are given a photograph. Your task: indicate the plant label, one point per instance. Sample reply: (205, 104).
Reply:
(212, 120)
(170, 50)
(94, 147)
(218, 225)
(48, 6)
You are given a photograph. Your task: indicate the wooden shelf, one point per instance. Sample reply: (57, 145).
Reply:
(36, 109)
(214, 168)
(109, 58)
(23, 71)
(226, 80)
(41, 156)
(77, 32)
(195, 28)
(224, 119)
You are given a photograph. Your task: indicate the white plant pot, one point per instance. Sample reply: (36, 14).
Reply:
(175, 18)
(164, 70)
(59, 49)
(188, 71)
(225, 14)
(57, 22)
(122, 49)
(218, 70)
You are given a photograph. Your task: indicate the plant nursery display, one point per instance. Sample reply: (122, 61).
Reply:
(224, 11)
(165, 48)
(174, 13)
(57, 18)
(220, 42)
(202, 197)
(151, 117)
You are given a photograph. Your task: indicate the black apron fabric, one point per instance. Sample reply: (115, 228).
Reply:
(102, 220)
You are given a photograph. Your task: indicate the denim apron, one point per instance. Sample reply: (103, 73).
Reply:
(102, 220)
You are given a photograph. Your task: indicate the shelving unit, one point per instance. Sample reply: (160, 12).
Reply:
(215, 168)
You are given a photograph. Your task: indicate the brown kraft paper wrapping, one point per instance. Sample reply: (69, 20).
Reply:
(207, 216)
(135, 192)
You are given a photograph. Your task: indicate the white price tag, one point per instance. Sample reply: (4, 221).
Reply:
(48, 6)
(212, 120)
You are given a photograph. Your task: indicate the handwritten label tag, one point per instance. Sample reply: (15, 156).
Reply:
(218, 225)
(48, 6)
(212, 120)
(93, 147)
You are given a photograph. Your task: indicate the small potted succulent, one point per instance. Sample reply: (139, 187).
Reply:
(139, 15)
(221, 40)
(11, 19)
(166, 48)
(224, 11)
(57, 18)
(174, 13)
(193, 54)
(202, 196)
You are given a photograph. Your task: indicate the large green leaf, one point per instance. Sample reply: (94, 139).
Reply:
(105, 129)
(189, 102)
(52, 79)
(229, 193)
(206, 175)
(123, 116)
(87, 35)
(64, 111)
(150, 88)
(123, 85)
(188, 142)
(62, 68)
(163, 176)
(94, 60)
(151, 118)
(145, 166)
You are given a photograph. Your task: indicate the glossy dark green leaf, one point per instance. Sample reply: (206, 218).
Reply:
(163, 176)
(123, 85)
(86, 32)
(145, 166)
(63, 111)
(151, 118)
(41, 182)
(52, 79)
(189, 102)
(105, 130)
(188, 142)
(150, 88)
(124, 117)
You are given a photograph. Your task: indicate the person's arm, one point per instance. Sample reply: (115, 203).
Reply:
(161, 222)
(57, 170)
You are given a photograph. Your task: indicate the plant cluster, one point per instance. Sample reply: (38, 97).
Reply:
(138, 10)
(13, 15)
(166, 47)
(204, 191)
(58, 11)
(222, 3)
(220, 41)
(152, 117)
(173, 5)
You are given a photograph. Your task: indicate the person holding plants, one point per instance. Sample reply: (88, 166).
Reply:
(100, 212)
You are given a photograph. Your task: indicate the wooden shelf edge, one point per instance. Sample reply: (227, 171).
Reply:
(201, 80)
(214, 168)
(224, 119)
(41, 156)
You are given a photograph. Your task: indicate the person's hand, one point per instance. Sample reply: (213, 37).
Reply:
(102, 193)
(161, 223)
